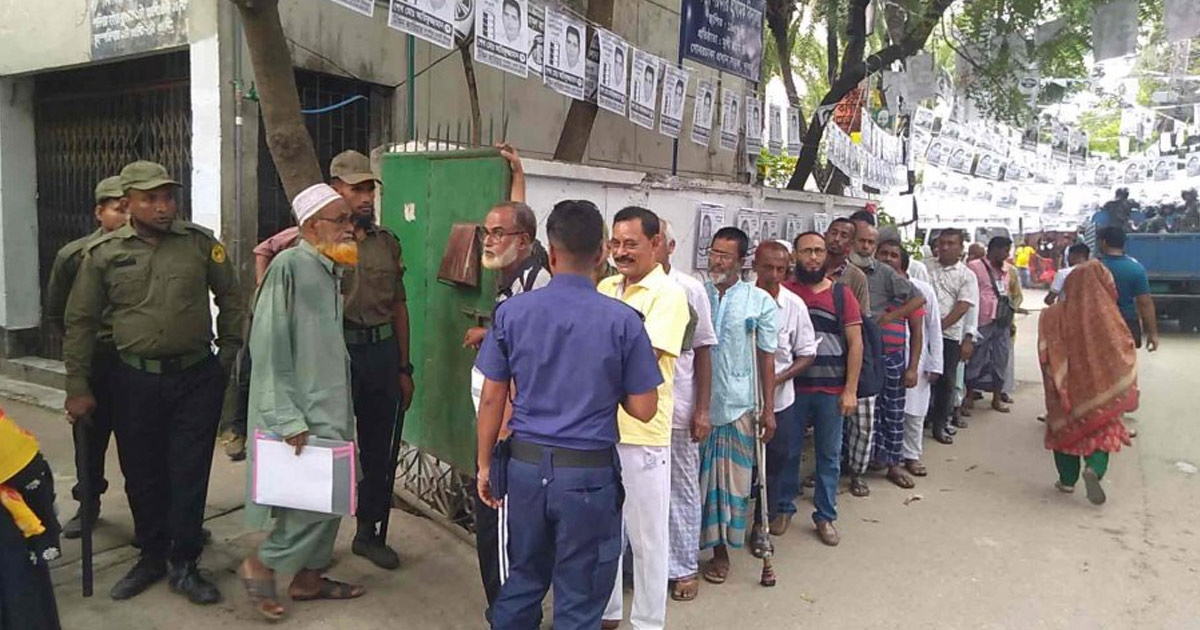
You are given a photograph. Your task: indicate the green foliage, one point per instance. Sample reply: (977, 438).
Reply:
(1103, 124)
(774, 170)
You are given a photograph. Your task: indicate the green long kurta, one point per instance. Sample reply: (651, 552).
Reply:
(300, 369)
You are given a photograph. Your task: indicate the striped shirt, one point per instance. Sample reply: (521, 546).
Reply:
(828, 371)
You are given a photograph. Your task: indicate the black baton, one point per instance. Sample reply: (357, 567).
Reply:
(85, 490)
(393, 463)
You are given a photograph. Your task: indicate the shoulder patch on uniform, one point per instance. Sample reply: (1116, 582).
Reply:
(218, 253)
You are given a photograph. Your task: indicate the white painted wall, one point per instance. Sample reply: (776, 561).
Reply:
(673, 199)
(20, 300)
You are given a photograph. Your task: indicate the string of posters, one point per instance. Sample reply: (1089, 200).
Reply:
(527, 40)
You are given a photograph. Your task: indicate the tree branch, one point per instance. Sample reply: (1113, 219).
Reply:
(577, 128)
(464, 49)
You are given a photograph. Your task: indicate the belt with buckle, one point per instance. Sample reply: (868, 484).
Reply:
(358, 336)
(168, 365)
(531, 453)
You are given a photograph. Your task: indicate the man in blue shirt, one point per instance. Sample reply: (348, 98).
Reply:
(557, 479)
(1133, 287)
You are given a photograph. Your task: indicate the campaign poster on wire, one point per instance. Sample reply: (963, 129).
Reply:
(430, 20)
(502, 35)
(537, 40)
(775, 127)
(614, 53)
(564, 69)
(702, 112)
(643, 88)
(675, 82)
(710, 217)
(754, 124)
(793, 131)
(730, 122)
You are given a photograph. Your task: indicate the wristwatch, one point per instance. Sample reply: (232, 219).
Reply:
(406, 369)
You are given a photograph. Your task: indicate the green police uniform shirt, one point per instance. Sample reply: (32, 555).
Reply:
(62, 276)
(158, 296)
(375, 285)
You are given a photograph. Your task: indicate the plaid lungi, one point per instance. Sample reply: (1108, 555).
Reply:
(726, 465)
(684, 517)
(889, 412)
(856, 445)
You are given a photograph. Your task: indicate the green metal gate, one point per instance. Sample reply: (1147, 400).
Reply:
(424, 195)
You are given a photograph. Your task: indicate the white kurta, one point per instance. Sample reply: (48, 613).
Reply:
(916, 399)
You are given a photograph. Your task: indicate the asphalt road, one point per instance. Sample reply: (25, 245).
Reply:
(984, 542)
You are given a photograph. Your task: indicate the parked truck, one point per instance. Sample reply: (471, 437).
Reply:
(1172, 262)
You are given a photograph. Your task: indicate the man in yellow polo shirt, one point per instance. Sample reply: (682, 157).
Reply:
(645, 448)
(1023, 257)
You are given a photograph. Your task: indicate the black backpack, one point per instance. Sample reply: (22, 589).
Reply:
(872, 375)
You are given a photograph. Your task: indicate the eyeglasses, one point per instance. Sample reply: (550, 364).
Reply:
(342, 220)
(718, 255)
(497, 234)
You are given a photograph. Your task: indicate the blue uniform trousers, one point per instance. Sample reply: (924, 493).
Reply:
(563, 528)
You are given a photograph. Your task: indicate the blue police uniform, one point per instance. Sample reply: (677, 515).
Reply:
(573, 355)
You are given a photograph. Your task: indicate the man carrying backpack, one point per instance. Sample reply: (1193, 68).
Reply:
(893, 299)
(827, 391)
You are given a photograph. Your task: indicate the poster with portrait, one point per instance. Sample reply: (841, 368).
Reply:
(731, 123)
(614, 65)
(793, 131)
(643, 88)
(749, 221)
(702, 112)
(1007, 195)
(592, 74)
(502, 35)
(464, 19)
(1101, 173)
(675, 82)
(430, 20)
(710, 217)
(564, 69)
(1077, 146)
(989, 165)
(754, 124)
(775, 129)
(983, 191)
(961, 158)
(1164, 169)
(938, 152)
(1132, 171)
(918, 146)
(1192, 165)
(1060, 140)
(537, 40)
(821, 222)
(771, 226)
(793, 227)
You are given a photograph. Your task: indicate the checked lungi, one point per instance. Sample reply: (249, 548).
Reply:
(726, 466)
(685, 506)
(856, 445)
(889, 412)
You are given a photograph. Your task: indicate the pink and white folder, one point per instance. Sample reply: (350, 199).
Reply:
(322, 478)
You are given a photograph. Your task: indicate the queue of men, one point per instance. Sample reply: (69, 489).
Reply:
(648, 443)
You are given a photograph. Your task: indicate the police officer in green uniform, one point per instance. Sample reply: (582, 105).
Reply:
(376, 329)
(111, 214)
(154, 276)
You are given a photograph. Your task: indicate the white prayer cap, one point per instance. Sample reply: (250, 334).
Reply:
(785, 243)
(311, 200)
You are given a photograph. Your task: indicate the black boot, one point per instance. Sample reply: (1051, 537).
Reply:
(74, 528)
(370, 545)
(186, 580)
(142, 576)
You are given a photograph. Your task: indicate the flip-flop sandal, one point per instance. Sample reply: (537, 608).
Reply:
(686, 589)
(859, 487)
(1095, 493)
(260, 591)
(332, 589)
(1001, 407)
(916, 468)
(900, 479)
(716, 574)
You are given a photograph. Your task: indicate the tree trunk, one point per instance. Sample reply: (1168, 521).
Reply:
(468, 63)
(916, 34)
(577, 128)
(831, 39)
(279, 101)
(779, 18)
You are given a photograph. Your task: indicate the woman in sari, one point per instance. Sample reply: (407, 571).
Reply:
(1089, 371)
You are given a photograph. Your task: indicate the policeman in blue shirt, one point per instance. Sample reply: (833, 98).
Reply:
(557, 479)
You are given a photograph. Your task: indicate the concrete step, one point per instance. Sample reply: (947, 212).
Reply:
(48, 398)
(37, 370)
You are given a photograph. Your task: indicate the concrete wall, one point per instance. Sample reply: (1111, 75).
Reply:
(674, 199)
(19, 295)
(346, 42)
(38, 35)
